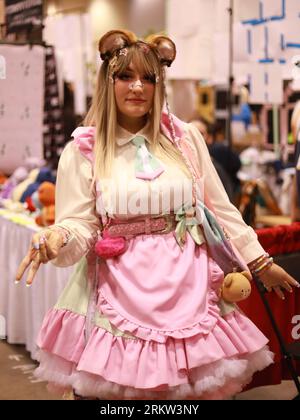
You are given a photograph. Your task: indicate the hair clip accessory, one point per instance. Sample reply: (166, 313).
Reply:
(144, 47)
(123, 51)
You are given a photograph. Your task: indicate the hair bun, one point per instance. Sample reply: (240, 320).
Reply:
(115, 40)
(165, 48)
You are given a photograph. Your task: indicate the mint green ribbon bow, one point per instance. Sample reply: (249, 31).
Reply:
(187, 223)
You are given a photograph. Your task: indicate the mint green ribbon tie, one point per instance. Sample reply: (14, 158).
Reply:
(147, 166)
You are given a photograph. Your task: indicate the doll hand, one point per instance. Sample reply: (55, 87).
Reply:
(277, 278)
(43, 248)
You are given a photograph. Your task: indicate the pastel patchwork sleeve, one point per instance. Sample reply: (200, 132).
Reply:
(242, 236)
(75, 205)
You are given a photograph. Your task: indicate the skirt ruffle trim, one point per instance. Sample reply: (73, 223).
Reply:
(139, 366)
(204, 326)
(215, 381)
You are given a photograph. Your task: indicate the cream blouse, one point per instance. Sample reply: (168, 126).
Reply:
(125, 196)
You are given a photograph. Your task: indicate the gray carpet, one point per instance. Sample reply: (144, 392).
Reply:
(16, 378)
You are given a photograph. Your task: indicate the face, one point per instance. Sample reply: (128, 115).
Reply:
(134, 93)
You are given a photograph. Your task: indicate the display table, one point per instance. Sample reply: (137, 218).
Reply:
(24, 307)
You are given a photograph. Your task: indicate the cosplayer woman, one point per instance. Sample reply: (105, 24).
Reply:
(142, 212)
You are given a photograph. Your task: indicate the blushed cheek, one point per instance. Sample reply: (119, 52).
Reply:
(151, 96)
(120, 100)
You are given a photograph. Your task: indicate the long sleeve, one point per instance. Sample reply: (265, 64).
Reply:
(75, 205)
(243, 236)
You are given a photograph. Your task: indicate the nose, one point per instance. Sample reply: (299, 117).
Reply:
(136, 86)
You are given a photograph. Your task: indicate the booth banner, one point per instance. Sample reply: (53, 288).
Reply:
(21, 105)
(71, 47)
(21, 13)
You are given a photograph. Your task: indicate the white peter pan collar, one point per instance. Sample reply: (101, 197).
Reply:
(123, 136)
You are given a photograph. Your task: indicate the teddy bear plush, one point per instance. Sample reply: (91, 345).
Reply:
(236, 287)
(46, 196)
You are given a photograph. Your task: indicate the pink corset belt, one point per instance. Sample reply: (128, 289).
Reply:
(141, 225)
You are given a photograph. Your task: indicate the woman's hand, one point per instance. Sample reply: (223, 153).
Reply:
(277, 278)
(43, 248)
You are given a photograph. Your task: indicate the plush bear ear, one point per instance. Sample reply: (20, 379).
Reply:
(113, 41)
(165, 48)
(247, 274)
(228, 280)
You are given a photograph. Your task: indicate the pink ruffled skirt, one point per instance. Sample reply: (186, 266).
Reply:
(178, 346)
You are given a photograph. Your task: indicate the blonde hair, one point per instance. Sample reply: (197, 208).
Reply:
(103, 111)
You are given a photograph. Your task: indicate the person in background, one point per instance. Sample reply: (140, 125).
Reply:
(207, 131)
(245, 114)
(225, 156)
(68, 110)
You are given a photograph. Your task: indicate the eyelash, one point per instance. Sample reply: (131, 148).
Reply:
(127, 77)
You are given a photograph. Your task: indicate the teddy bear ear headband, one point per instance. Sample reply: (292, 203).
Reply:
(114, 43)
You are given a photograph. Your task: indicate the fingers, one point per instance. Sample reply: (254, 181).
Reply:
(29, 261)
(279, 292)
(287, 287)
(290, 280)
(23, 266)
(48, 249)
(43, 250)
(35, 242)
(51, 252)
(34, 266)
(36, 254)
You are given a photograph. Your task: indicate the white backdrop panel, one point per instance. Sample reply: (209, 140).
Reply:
(21, 105)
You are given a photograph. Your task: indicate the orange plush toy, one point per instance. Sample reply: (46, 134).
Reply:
(3, 178)
(236, 287)
(46, 193)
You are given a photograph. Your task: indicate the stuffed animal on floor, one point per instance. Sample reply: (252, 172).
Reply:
(236, 287)
(46, 196)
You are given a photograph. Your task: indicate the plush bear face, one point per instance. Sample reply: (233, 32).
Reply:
(236, 287)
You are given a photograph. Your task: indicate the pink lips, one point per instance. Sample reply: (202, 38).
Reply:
(137, 101)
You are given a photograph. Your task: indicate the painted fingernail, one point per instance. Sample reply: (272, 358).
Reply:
(42, 240)
(17, 281)
(36, 246)
(28, 284)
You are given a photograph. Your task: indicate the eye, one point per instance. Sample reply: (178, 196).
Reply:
(149, 78)
(124, 76)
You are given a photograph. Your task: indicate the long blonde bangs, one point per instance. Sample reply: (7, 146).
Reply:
(103, 112)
